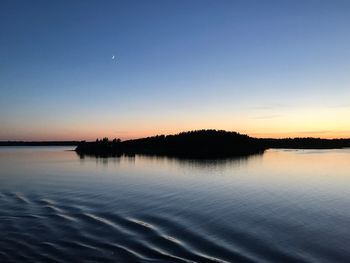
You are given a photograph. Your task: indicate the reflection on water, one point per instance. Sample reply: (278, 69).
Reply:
(282, 206)
(185, 162)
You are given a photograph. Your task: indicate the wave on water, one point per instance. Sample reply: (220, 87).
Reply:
(40, 229)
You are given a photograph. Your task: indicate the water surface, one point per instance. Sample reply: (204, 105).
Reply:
(281, 206)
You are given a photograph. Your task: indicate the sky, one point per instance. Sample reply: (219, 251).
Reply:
(260, 67)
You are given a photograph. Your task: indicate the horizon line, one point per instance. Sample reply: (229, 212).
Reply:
(169, 134)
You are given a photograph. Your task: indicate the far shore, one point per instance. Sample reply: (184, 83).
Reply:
(202, 144)
(192, 144)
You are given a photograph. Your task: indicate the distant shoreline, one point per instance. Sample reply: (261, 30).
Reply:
(200, 138)
(202, 144)
(192, 144)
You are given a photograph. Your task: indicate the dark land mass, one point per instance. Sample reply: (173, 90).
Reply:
(202, 144)
(42, 143)
(306, 143)
(193, 144)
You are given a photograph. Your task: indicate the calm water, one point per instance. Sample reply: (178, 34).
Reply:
(282, 206)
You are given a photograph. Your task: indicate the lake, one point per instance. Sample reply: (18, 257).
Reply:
(280, 206)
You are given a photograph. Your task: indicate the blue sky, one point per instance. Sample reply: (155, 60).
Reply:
(266, 68)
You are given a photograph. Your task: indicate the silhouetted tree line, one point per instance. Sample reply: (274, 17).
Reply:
(202, 144)
(198, 144)
(103, 147)
(306, 143)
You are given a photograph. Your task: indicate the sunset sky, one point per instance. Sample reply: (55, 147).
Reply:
(264, 68)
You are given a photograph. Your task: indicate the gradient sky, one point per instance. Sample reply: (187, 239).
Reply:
(265, 68)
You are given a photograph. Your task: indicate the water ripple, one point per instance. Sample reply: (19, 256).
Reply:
(284, 207)
(51, 230)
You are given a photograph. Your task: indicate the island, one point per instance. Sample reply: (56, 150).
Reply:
(202, 144)
(194, 144)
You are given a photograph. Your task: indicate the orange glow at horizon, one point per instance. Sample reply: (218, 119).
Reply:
(91, 136)
(320, 123)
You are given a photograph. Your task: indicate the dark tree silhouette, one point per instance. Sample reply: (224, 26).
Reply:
(202, 144)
